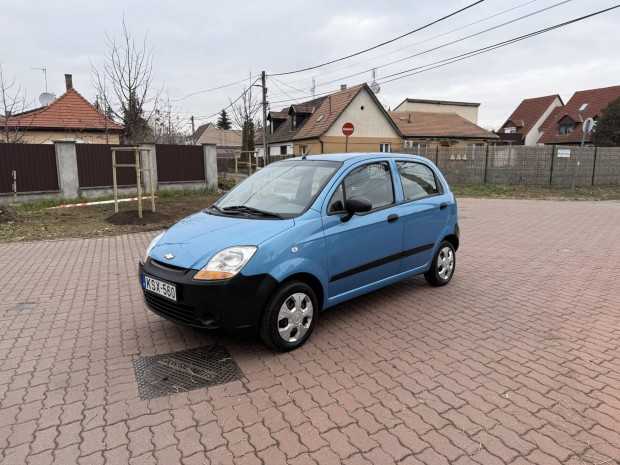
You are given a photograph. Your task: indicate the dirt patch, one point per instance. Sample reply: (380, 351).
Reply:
(132, 218)
(98, 220)
(6, 215)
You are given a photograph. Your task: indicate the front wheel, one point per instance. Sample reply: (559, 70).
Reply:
(443, 265)
(289, 317)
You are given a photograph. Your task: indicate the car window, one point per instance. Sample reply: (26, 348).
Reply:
(373, 181)
(418, 180)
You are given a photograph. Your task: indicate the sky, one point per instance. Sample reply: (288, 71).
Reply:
(199, 45)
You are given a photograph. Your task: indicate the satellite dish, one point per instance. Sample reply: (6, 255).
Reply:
(375, 87)
(46, 98)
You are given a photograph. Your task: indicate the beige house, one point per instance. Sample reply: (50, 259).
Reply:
(467, 110)
(69, 117)
(316, 126)
(422, 130)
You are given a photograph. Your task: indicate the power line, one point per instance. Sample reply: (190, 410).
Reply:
(456, 58)
(209, 90)
(447, 43)
(202, 118)
(489, 48)
(417, 43)
(381, 44)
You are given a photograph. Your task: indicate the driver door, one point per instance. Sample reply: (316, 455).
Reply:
(367, 248)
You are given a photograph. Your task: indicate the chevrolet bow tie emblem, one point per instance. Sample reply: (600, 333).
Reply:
(168, 256)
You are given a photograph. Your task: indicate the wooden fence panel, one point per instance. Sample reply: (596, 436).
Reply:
(94, 163)
(35, 165)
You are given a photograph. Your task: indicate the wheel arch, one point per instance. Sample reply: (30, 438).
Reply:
(452, 239)
(311, 281)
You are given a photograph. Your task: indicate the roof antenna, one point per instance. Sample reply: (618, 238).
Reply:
(44, 75)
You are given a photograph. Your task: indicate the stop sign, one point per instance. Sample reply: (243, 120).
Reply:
(347, 129)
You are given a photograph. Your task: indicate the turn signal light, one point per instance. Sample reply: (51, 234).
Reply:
(207, 275)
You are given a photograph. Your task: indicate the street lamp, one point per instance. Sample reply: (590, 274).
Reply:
(588, 124)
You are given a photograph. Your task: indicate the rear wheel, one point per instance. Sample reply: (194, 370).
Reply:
(289, 317)
(443, 265)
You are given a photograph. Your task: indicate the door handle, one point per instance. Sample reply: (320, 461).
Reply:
(443, 206)
(393, 218)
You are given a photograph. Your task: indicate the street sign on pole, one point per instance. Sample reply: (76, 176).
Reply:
(347, 130)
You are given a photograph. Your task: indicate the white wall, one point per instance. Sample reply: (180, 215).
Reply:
(531, 138)
(369, 122)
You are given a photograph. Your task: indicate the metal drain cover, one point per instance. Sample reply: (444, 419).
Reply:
(162, 375)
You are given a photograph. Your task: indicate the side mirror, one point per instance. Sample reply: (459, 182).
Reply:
(356, 205)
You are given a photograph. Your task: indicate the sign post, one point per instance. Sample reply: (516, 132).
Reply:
(588, 124)
(347, 130)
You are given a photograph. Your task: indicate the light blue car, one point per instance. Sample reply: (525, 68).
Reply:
(300, 236)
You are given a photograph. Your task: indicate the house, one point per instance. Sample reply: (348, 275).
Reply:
(315, 126)
(564, 125)
(69, 117)
(523, 126)
(467, 110)
(423, 130)
(227, 141)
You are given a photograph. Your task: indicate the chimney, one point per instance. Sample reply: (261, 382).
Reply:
(343, 87)
(69, 81)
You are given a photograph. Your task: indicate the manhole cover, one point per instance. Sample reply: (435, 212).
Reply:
(162, 375)
(25, 306)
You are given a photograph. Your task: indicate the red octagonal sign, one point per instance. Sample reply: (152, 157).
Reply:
(347, 129)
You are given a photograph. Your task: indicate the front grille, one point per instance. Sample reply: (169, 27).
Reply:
(170, 309)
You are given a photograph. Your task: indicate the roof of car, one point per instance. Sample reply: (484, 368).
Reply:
(342, 157)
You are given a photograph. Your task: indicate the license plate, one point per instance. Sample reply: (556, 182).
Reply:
(167, 290)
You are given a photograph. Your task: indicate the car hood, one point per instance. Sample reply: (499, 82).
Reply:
(191, 242)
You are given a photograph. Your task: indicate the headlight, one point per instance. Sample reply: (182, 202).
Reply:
(227, 263)
(150, 247)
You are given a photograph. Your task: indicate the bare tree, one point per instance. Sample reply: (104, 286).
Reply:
(167, 124)
(243, 111)
(13, 103)
(125, 85)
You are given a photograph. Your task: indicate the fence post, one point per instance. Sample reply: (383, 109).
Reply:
(594, 164)
(486, 164)
(66, 160)
(144, 161)
(437, 156)
(552, 159)
(210, 154)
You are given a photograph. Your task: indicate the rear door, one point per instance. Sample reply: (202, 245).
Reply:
(425, 212)
(368, 247)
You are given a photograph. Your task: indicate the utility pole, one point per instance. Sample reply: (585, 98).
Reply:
(193, 130)
(265, 143)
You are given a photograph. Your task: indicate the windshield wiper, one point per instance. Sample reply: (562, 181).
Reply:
(214, 207)
(251, 210)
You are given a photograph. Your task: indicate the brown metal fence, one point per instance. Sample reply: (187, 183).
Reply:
(35, 166)
(535, 166)
(180, 163)
(94, 162)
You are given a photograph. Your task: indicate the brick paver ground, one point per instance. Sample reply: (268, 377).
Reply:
(516, 361)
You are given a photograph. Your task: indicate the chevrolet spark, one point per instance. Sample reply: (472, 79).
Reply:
(300, 236)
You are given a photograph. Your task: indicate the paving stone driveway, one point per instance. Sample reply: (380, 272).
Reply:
(516, 361)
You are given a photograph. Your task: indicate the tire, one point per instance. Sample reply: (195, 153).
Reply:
(443, 265)
(281, 327)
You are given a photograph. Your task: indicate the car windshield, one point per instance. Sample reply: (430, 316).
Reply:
(281, 190)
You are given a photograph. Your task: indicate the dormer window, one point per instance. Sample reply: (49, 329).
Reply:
(510, 129)
(567, 125)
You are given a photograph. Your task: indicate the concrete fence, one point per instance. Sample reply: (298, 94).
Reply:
(69, 170)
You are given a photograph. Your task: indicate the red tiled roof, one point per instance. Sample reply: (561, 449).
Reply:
(597, 99)
(437, 125)
(201, 129)
(327, 113)
(529, 112)
(69, 111)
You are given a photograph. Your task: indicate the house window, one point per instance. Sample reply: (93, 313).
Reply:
(566, 128)
(385, 147)
(510, 130)
(303, 150)
(283, 150)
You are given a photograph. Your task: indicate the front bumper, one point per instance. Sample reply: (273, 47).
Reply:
(236, 303)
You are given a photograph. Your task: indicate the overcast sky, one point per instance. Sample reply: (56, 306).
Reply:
(198, 45)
